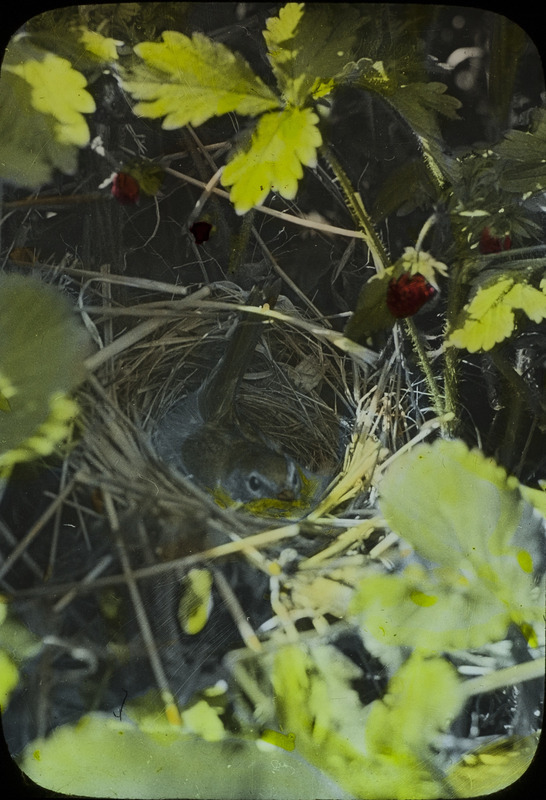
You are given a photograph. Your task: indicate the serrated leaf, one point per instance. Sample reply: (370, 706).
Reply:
(189, 80)
(434, 610)
(282, 143)
(461, 512)
(309, 46)
(489, 317)
(58, 90)
(419, 104)
(43, 348)
(103, 48)
(529, 300)
(317, 703)
(421, 700)
(42, 103)
(457, 503)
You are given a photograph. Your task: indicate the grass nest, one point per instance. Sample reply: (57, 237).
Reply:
(139, 529)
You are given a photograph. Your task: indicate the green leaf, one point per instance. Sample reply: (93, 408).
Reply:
(462, 512)
(195, 600)
(493, 767)
(523, 154)
(101, 756)
(58, 90)
(371, 313)
(309, 46)
(9, 678)
(489, 316)
(191, 80)
(420, 262)
(101, 48)
(282, 143)
(435, 610)
(43, 348)
(421, 700)
(419, 104)
(458, 504)
(42, 102)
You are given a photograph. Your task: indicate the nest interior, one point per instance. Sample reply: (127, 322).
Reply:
(111, 606)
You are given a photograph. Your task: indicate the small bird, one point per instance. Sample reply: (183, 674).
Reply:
(204, 438)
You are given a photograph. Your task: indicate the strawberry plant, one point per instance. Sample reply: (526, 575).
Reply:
(380, 635)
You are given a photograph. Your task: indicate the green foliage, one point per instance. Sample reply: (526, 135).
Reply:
(470, 522)
(43, 348)
(191, 80)
(523, 157)
(381, 751)
(422, 698)
(493, 767)
(371, 313)
(102, 48)
(281, 143)
(102, 756)
(418, 103)
(43, 100)
(308, 48)
(489, 317)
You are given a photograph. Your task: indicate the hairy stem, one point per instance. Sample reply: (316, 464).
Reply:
(358, 212)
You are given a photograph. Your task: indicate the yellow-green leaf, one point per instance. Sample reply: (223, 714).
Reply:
(195, 601)
(489, 316)
(460, 511)
(282, 143)
(530, 300)
(57, 89)
(189, 80)
(42, 103)
(41, 359)
(434, 610)
(371, 313)
(103, 48)
(483, 334)
(493, 767)
(204, 721)
(309, 46)
(421, 263)
(422, 699)
(9, 678)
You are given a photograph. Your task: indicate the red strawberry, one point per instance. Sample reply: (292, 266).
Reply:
(201, 231)
(493, 244)
(407, 294)
(125, 189)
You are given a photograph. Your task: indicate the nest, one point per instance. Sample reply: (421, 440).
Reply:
(139, 528)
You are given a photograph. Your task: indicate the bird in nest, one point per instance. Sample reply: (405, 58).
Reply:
(203, 436)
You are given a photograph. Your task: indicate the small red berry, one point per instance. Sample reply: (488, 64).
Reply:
(201, 231)
(493, 244)
(125, 189)
(407, 294)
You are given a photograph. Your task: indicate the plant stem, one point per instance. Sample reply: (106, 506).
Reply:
(433, 390)
(358, 212)
(509, 676)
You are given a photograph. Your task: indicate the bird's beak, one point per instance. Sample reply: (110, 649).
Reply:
(287, 495)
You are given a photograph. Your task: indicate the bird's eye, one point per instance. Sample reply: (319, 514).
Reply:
(254, 483)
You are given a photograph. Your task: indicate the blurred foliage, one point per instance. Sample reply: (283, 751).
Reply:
(476, 559)
(43, 349)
